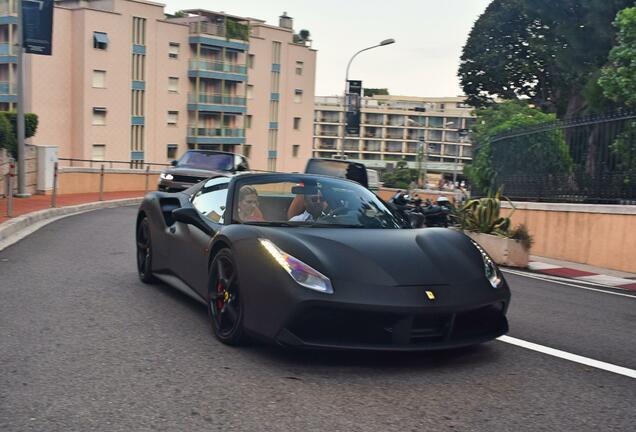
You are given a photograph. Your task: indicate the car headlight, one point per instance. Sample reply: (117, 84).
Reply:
(490, 268)
(164, 176)
(302, 273)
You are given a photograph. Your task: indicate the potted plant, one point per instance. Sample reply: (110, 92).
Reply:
(480, 219)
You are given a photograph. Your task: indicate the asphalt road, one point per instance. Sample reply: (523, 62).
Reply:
(85, 346)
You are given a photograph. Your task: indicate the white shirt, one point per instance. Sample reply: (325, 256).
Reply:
(304, 216)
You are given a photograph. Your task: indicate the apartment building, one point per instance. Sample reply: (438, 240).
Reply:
(394, 128)
(126, 82)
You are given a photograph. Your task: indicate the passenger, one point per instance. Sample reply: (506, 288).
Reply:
(248, 210)
(314, 208)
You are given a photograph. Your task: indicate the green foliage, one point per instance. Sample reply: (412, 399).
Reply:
(302, 36)
(236, 30)
(618, 78)
(401, 177)
(521, 233)
(540, 50)
(8, 129)
(483, 215)
(539, 153)
(369, 92)
(624, 150)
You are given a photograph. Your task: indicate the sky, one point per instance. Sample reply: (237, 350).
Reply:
(429, 34)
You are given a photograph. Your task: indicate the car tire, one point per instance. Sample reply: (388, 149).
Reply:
(225, 308)
(144, 252)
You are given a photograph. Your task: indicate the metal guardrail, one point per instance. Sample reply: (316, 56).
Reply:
(73, 162)
(217, 132)
(214, 66)
(220, 99)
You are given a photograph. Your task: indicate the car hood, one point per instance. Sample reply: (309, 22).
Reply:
(192, 172)
(394, 257)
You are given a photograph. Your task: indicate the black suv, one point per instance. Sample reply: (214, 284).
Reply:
(198, 165)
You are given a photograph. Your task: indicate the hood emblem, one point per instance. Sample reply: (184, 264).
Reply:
(430, 295)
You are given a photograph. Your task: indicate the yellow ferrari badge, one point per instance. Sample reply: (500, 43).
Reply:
(430, 295)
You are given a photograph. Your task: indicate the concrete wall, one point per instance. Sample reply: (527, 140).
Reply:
(31, 166)
(86, 180)
(598, 235)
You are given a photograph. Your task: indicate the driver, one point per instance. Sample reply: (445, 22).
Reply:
(314, 206)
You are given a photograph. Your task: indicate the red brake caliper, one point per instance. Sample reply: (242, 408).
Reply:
(220, 300)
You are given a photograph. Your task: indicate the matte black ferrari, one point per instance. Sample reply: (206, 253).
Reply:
(312, 261)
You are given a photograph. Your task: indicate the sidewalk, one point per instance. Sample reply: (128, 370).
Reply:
(583, 272)
(23, 206)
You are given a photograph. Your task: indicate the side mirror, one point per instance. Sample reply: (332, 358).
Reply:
(190, 216)
(174, 162)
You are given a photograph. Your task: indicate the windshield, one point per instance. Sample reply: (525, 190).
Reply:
(207, 161)
(313, 202)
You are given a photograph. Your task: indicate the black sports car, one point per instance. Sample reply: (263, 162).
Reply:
(312, 261)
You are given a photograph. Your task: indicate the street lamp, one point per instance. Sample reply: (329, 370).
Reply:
(344, 99)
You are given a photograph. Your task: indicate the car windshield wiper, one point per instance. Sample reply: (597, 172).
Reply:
(275, 224)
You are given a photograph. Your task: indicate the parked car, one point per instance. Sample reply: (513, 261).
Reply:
(339, 168)
(198, 165)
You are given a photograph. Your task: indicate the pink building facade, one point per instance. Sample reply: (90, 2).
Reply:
(128, 83)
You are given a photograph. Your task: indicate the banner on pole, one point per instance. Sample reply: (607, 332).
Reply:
(37, 26)
(354, 93)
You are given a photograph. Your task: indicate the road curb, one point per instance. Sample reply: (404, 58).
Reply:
(581, 275)
(11, 231)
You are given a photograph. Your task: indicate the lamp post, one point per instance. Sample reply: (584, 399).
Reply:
(422, 152)
(344, 99)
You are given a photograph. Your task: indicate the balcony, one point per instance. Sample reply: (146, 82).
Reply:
(8, 8)
(326, 132)
(411, 148)
(216, 132)
(327, 146)
(352, 146)
(369, 134)
(235, 31)
(7, 49)
(394, 134)
(372, 146)
(394, 147)
(216, 66)
(216, 99)
(7, 88)
(374, 120)
(329, 120)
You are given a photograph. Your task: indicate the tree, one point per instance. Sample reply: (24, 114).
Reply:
(545, 51)
(302, 37)
(8, 129)
(538, 153)
(618, 78)
(369, 92)
(401, 177)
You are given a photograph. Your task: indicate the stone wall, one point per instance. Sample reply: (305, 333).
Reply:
(31, 166)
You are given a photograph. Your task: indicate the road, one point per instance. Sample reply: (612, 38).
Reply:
(85, 346)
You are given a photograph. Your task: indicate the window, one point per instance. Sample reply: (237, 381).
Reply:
(275, 84)
(138, 108)
(138, 67)
(250, 61)
(173, 50)
(297, 123)
(100, 40)
(173, 84)
(250, 91)
(295, 149)
(298, 96)
(99, 152)
(248, 122)
(211, 199)
(99, 116)
(173, 117)
(299, 67)
(247, 150)
(273, 111)
(172, 151)
(99, 78)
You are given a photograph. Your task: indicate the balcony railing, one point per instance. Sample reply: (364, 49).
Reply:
(329, 120)
(213, 66)
(7, 88)
(394, 136)
(352, 146)
(394, 148)
(216, 99)
(235, 31)
(324, 146)
(6, 49)
(328, 133)
(372, 147)
(8, 7)
(217, 132)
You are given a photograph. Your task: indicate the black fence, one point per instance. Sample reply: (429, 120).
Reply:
(586, 160)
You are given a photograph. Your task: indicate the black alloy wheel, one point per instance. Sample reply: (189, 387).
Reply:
(224, 303)
(144, 252)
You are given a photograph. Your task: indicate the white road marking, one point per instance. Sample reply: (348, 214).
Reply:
(532, 276)
(571, 357)
(606, 280)
(536, 265)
